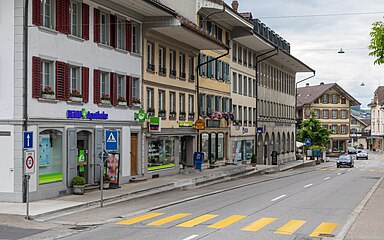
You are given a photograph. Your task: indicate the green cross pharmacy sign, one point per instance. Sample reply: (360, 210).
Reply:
(141, 116)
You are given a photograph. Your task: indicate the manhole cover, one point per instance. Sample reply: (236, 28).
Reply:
(326, 235)
(79, 228)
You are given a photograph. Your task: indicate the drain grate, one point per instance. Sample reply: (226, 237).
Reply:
(79, 228)
(326, 235)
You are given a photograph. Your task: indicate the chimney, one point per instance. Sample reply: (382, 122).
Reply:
(307, 84)
(321, 83)
(235, 5)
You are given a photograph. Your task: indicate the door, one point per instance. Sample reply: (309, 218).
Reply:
(82, 159)
(133, 154)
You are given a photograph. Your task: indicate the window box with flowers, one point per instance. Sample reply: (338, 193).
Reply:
(121, 101)
(136, 102)
(191, 116)
(182, 115)
(151, 112)
(106, 99)
(162, 113)
(75, 96)
(172, 115)
(48, 93)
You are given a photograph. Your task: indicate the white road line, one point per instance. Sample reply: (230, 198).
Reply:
(278, 198)
(326, 178)
(191, 237)
(308, 185)
(339, 174)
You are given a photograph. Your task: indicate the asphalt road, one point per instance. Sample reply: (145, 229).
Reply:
(299, 204)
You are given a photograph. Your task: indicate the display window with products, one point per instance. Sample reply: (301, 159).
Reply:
(161, 154)
(213, 146)
(50, 156)
(242, 150)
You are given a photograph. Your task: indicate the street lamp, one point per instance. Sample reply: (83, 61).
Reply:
(341, 51)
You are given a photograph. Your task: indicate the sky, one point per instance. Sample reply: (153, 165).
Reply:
(316, 40)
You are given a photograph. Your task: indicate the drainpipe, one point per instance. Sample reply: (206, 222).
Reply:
(259, 59)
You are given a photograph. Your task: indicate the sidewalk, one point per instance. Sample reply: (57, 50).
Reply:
(91, 199)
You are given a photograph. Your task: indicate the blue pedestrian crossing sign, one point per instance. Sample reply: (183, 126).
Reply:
(28, 140)
(111, 140)
(308, 142)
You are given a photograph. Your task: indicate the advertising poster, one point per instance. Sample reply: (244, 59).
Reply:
(113, 164)
(44, 150)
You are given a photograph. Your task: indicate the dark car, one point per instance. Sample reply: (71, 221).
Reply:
(345, 160)
(351, 150)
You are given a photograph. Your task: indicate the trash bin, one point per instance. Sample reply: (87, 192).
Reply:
(198, 158)
(274, 157)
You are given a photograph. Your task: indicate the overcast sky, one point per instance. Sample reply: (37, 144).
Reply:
(317, 40)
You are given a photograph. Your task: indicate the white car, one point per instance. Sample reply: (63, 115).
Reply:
(362, 154)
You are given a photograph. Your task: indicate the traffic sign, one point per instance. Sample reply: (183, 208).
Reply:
(28, 140)
(260, 130)
(29, 158)
(111, 140)
(308, 142)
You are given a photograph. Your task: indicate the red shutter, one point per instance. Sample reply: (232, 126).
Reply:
(67, 84)
(36, 77)
(61, 84)
(36, 12)
(96, 86)
(113, 19)
(129, 90)
(85, 21)
(96, 23)
(62, 16)
(128, 39)
(113, 91)
(85, 84)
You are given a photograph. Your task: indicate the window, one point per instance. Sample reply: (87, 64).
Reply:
(343, 101)
(47, 77)
(325, 114)
(240, 115)
(234, 52)
(245, 56)
(254, 88)
(343, 129)
(121, 87)
(250, 59)
(191, 104)
(104, 28)
(245, 86)
(182, 103)
(191, 68)
(343, 114)
(105, 84)
(136, 88)
(161, 100)
(161, 153)
(47, 13)
(335, 99)
(250, 87)
(75, 84)
(224, 103)
(325, 98)
(353, 121)
(234, 82)
(250, 116)
(150, 105)
(254, 117)
(50, 156)
(239, 54)
(150, 53)
(227, 40)
(75, 19)
(235, 112)
(240, 90)
(334, 114)
(162, 59)
(172, 63)
(121, 33)
(334, 129)
(219, 33)
(182, 66)
(245, 116)
(172, 102)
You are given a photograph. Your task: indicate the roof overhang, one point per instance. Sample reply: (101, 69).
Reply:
(251, 40)
(289, 61)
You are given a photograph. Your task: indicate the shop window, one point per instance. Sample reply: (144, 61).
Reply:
(220, 145)
(50, 156)
(161, 154)
(205, 145)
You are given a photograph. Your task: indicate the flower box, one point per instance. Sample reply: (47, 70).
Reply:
(162, 114)
(103, 101)
(76, 99)
(151, 113)
(48, 96)
(122, 103)
(136, 105)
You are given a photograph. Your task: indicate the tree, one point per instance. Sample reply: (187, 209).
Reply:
(377, 42)
(311, 128)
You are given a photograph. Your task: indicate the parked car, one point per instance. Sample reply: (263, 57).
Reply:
(362, 154)
(351, 150)
(345, 160)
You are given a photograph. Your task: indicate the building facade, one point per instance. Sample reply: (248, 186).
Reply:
(331, 106)
(359, 132)
(377, 119)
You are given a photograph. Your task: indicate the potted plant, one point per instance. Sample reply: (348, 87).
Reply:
(75, 96)
(253, 160)
(182, 115)
(121, 101)
(106, 99)
(150, 111)
(191, 115)
(106, 181)
(48, 93)
(172, 114)
(136, 102)
(162, 113)
(78, 183)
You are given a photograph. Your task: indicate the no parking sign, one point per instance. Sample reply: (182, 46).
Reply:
(29, 159)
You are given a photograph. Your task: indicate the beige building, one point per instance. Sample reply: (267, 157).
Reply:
(331, 105)
(359, 132)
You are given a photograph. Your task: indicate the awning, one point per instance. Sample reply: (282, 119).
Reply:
(299, 144)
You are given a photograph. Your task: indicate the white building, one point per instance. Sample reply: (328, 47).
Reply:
(377, 120)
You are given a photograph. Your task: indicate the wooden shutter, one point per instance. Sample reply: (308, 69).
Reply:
(113, 92)
(62, 16)
(96, 25)
(36, 12)
(96, 86)
(36, 77)
(62, 81)
(85, 83)
(128, 32)
(113, 23)
(85, 21)
(129, 85)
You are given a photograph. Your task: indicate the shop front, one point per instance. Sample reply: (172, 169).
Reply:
(242, 150)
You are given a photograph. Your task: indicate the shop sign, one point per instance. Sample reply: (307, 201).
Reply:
(200, 124)
(141, 116)
(213, 123)
(185, 124)
(84, 114)
(155, 124)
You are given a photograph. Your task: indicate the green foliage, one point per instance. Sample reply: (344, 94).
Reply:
(311, 128)
(377, 42)
(78, 181)
(106, 178)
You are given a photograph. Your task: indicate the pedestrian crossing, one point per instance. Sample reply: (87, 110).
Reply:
(183, 220)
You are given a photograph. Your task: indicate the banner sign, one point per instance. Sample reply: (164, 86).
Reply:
(155, 124)
(84, 114)
(113, 164)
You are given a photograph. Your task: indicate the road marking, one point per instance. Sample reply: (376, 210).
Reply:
(362, 169)
(308, 185)
(339, 174)
(324, 228)
(326, 178)
(278, 198)
(191, 237)
(332, 169)
(381, 170)
(323, 169)
(168, 219)
(226, 222)
(198, 220)
(371, 170)
(259, 224)
(290, 227)
(140, 218)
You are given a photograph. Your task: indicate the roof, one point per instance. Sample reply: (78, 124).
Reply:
(364, 121)
(308, 94)
(380, 95)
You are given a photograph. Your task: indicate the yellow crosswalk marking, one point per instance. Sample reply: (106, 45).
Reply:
(324, 228)
(226, 222)
(198, 220)
(381, 170)
(371, 170)
(140, 218)
(332, 169)
(259, 224)
(290, 227)
(323, 169)
(168, 219)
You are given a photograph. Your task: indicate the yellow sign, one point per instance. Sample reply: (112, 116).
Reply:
(200, 124)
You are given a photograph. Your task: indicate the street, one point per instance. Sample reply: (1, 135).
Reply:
(304, 203)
